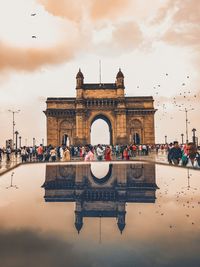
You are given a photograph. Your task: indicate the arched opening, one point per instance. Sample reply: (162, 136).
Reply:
(65, 140)
(65, 133)
(136, 138)
(101, 131)
(101, 172)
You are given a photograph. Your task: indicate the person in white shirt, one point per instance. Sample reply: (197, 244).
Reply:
(100, 152)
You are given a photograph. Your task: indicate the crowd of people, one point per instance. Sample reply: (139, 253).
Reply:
(37, 153)
(185, 155)
(87, 152)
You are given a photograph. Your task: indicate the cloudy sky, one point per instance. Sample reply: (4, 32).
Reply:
(155, 42)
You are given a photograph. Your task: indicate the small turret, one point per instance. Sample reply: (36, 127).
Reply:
(78, 220)
(121, 220)
(120, 79)
(121, 215)
(120, 74)
(79, 84)
(120, 83)
(79, 79)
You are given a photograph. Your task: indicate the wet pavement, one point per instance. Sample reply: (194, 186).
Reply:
(9, 165)
(100, 214)
(160, 158)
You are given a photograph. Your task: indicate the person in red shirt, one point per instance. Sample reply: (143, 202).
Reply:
(108, 153)
(134, 148)
(125, 153)
(40, 153)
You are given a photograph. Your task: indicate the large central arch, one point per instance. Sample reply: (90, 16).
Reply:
(107, 120)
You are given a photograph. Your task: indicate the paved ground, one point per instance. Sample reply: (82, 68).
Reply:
(160, 158)
(7, 166)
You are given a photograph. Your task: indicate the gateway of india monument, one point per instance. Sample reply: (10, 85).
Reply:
(130, 119)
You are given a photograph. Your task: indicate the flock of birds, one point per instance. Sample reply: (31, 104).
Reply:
(33, 15)
(184, 99)
(187, 198)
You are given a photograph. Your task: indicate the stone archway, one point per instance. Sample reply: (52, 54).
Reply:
(107, 120)
(104, 179)
(65, 140)
(136, 138)
(125, 116)
(65, 133)
(136, 131)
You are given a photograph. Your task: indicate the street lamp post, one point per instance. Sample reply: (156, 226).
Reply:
(194, 137)
(182, 138)
(20, 140)
(16, 134)
(186, 121)
(165, 139)
(13, 122)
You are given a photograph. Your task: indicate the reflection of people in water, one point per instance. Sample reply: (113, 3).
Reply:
(66, 154)
(108, 153)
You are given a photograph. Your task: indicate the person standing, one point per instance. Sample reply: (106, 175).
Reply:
(140, 150)
(30, 153)
(125, 153)
(1, 151)
(117, 151)
(66, 154)
(100, 152)
(122, 151)
(53, 154)
(40, 152)
(8, 152)
(24, 154)
(108, 153)
(175, 154)
(134, 150)
(61, 152)
(192, 153)
(89, 154)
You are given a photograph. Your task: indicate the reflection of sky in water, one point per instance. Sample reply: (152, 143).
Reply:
(99, 169)
(38, 233)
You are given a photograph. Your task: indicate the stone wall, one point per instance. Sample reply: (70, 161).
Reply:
(99, 93)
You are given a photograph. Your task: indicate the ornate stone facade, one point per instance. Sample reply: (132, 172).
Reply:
(130, 119)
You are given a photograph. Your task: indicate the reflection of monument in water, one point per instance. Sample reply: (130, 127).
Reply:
(100, 197)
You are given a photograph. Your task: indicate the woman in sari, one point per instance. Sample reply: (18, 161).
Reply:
(125, 153)
(66, 154)
(108, 153)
